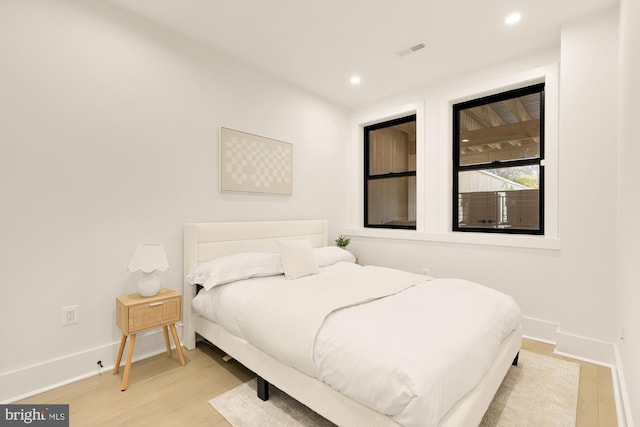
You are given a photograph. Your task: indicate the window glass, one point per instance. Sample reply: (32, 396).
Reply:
(392, 149)
(499, 198)
(503, 130)
(498, 152)
(392, 202)
(390, 174)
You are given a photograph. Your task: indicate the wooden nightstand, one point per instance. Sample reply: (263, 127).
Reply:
(135, 313)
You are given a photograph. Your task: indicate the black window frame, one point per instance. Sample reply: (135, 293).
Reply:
(539, 161)
(368, 177)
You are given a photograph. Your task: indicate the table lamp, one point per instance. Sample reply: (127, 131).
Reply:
(149, 258)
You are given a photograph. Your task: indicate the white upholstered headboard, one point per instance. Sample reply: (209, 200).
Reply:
(209, 240)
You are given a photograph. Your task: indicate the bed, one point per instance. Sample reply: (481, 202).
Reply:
(207, 241)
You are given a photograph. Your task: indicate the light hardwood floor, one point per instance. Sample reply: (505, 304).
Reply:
(163, 393)
(596, 403)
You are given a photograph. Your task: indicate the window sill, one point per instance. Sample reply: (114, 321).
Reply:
(462, 238)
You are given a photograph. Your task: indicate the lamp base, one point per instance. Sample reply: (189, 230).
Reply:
(149, 284)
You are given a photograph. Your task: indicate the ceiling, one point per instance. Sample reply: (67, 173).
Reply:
(319, 45)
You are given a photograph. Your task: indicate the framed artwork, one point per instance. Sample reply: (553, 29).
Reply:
(254, 164)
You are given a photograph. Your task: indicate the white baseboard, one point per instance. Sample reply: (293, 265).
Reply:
(31, 380)
(587, 350)
(623, 407)
(539, 330)
(571, 345)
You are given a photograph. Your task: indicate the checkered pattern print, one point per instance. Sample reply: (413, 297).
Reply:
(257, 164)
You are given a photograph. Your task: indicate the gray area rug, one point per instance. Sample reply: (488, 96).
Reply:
(540, 391)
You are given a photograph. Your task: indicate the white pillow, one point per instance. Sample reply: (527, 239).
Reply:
(329, 255)
(230, 268)
(298, 259)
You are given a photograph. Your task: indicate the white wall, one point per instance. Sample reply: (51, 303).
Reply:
(588, 142)
(109, 129)
(572, 288)
(629, 206)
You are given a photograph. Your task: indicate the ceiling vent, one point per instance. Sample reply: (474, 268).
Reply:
(411, 49)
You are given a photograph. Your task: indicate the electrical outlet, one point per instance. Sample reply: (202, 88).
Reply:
(70, 315)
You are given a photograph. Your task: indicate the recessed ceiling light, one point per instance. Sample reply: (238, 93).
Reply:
(512, 19)
(355, 80)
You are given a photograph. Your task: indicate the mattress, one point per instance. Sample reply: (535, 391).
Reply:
(409, 355)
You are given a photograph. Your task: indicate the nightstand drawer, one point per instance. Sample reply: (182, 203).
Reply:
(154, 314)
(135, 313)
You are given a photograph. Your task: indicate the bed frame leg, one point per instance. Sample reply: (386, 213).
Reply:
(515, 360)
(263, 389)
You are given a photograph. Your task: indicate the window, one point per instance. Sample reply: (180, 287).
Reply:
(498, 177)
(390, 174)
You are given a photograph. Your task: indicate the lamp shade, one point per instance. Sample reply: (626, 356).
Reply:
(148, 258)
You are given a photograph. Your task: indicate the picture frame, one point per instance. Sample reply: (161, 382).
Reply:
(254, 164)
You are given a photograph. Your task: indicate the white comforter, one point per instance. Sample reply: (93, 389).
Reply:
(410, 349)
(290, 334)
